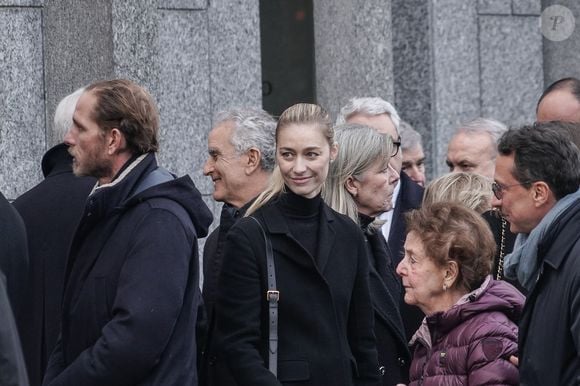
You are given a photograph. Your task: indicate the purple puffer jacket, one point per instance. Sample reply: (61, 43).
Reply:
(470, 344)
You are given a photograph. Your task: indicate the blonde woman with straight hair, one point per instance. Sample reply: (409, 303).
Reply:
(361, 184)
(324, 333)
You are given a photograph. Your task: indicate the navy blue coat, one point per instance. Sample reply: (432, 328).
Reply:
(51, 212)
(325, 312)
(549, 335)
(410, 197)
(131, 294)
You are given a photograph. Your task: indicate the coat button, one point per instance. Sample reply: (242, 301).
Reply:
(401, 361)
(382, 370)
(212, 360)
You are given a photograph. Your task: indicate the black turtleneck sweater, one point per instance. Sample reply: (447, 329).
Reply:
(302, 215)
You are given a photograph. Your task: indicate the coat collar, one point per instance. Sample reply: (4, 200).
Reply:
(275, 223)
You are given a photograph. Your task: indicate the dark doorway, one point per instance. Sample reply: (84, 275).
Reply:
(287, 42)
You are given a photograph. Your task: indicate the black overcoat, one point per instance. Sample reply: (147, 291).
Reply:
(386, 292)
(51, 212)
(325, 312)
(410, 197)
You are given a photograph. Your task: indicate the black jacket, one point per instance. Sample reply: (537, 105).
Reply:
(13, 267)
(549, 335)
(51, 212)
(13, 256)
(325, 312)
(386, 292)
(410, 197)
(131, 286)
(12, 367)
(213, 370)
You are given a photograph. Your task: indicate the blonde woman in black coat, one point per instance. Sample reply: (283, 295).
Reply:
(361, 184)
(325, 323)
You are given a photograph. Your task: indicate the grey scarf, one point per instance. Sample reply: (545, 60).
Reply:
(522, 263)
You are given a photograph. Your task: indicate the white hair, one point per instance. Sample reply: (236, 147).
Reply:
(253, 128)
(368, 106)
(63, 116)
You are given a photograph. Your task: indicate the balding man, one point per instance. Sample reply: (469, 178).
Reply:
(472, 148)
(561, 102)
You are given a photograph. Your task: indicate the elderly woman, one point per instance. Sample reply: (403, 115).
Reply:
(475, 192)
(360, 184)
(470, 330)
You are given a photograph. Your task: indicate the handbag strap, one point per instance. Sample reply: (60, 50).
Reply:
(272, 296)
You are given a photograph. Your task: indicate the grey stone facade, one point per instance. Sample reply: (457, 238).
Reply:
(353, 46)
(195, 56)
(456, 60)
(562, 58)
(442, 62)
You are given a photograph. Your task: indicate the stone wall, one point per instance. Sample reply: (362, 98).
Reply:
(195, 57)
(353, 50)
(456, 60)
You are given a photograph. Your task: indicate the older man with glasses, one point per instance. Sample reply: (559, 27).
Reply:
(382, 116)
(537, 180)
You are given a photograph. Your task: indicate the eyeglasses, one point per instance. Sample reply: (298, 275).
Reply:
(499, 189)
(396, 145)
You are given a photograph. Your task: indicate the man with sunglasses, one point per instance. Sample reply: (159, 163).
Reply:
(382, 116)
(537, 179)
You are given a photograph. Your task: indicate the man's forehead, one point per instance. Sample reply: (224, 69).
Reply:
(471, 141)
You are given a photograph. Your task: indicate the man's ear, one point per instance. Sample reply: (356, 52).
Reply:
(115, 141)
(541, 193)
(254, 158)
(351, 186)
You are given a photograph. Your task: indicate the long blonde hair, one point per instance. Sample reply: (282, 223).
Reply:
(359, 148)
(301, 113)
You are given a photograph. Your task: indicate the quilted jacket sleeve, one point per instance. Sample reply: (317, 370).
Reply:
(488, 356)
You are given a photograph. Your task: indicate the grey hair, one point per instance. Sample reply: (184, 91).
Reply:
(359, 147)
(493, 128)
(63, 116)
(369, 106)
(410, 138)
(469, 189)
(254, 128)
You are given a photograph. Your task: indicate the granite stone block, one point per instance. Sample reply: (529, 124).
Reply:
(526, 7)
(182, 4)
(511, 68)
(353, 50)
(494, 7)
(184, 93)
(561, 58)
(21, 3)
(136, 42)
(22, 135)
(412, 75)
(235, 63)
(78, 49)
(455, 64)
